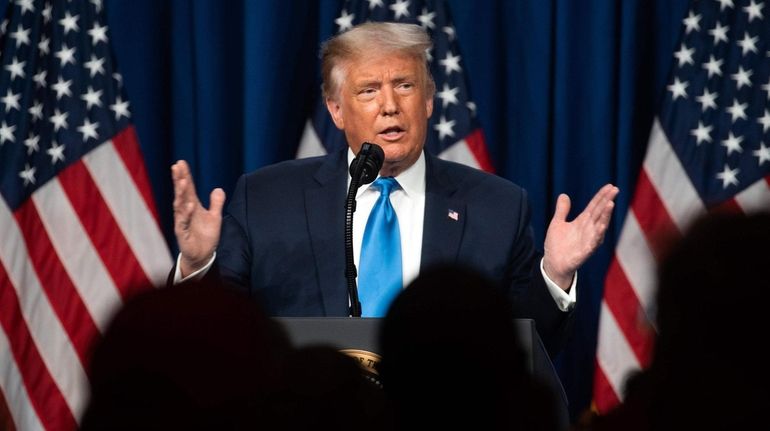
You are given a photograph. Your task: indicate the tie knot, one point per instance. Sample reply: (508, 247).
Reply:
(386, 185)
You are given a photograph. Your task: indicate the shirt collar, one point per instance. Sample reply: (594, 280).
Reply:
(412, 180)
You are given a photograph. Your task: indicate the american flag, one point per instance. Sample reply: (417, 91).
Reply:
(708, 151)
(79, 232)
(453, 132)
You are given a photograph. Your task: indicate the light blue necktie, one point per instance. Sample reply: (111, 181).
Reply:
(379, 276)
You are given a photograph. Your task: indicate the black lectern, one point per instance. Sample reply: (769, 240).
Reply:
(361, 335)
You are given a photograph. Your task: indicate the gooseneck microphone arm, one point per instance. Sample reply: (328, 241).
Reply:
(363, 170)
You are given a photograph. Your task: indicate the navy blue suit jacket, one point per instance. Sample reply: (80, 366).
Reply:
(283, 238)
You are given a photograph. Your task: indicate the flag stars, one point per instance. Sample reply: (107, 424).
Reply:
(451, 63)
(763, 153)
(748, 43)
(92, 97)
(725, 3)
(95, 65)
(766, 87)
(754, 10)
(16, 68)
(119, 78)
(375, 3)
(47, 13)
(88, 129)
(7, 133)
(444, 128)
(733, 143)
(44, 46)
(692, 22)
(120, 108)
(728, 176)
(56, 152)
(28, 174)
(62, 88)
(742, 77)
(66, 55)
(32, 144)
(471, 107)
(684, 55)
(426, 19)
(69, 23)
(737, 110)
(713, 66)
(450, 32)
(59, 120)
(765, 121)
(702, 133)
(11, 100)
(678, 88)
(98, 34)
(719, 33)
(21, 36)
(97, 4)
(707, 100)
(400, 9)
(25, 5)
(345, 21)
(39, 78)
(36, 111)
(448, 95)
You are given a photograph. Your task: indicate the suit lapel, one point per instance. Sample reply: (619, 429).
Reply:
(325, 210)
(445, 217)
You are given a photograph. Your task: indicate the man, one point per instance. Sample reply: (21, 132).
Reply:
(282, 236)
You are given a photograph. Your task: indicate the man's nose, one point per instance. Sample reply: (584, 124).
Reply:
(389, 102)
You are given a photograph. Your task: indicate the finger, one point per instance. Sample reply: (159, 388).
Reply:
(184, 186)
(216, 201)
(597, 205)
(182, 217)
(562, 208)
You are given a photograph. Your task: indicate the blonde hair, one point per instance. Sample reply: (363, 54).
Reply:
(381, 37)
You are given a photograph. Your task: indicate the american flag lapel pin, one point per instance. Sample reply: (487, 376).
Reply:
(454, 215)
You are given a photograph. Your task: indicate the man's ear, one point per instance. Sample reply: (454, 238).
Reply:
(429, 107)
(335, 110)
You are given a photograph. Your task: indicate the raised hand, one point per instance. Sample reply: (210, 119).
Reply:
(196, 228)
(569, 244)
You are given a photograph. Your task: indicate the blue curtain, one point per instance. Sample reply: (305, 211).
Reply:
(566, 91)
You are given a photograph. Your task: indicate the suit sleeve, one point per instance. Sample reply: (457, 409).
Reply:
(234, 254)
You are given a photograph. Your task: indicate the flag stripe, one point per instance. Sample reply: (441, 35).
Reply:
(76, 252)
(46, 398)
(56, 350)
(478, 147)
(614, 355)
(756, 197)
(634, 327)
(667, 175)
(127, 146)
(460, 153)
(637, 263)
(106, 236)
(14, 398)
(130, 211)
(604, 396)
(55, 281)
(653, 219)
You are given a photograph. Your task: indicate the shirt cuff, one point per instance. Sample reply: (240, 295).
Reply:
(197, 275)
(564, 300)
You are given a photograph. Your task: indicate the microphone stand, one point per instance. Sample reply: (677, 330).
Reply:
(363, 170)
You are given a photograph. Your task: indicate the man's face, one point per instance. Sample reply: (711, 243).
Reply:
(384, 99)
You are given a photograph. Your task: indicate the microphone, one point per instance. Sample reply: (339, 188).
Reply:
(370, 159)
(363, 170)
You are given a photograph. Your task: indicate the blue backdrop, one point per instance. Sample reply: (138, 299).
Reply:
(565, 89)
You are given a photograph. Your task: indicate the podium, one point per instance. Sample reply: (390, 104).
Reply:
(360, 336)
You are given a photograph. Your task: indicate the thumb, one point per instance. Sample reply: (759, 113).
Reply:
(216, 201)
(562, 208)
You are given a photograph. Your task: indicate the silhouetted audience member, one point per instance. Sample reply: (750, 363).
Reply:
(326, 389)
(451, 358)
(190, 357)
(706, 372)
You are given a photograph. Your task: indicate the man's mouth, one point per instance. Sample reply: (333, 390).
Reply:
(392, 133)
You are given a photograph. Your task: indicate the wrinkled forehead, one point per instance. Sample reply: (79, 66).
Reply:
(372, 63)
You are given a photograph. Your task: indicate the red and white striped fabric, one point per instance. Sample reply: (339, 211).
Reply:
(71, 255)
(664, 204)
